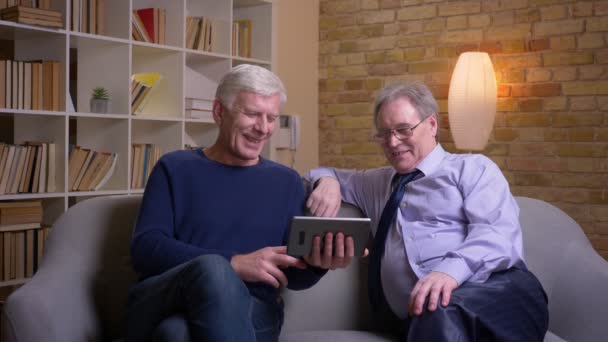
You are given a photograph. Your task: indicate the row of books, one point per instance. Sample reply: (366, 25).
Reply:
(199, 33)
(89, 170)
(199, 108)
(21, 238)
(88, 16)
(32, 16)
(20, 212)
(241, 38)
(44, 4)
(143, 159)
(21, 250)
(29, 85)
(27, 168)
(142, 85)
(148, 25)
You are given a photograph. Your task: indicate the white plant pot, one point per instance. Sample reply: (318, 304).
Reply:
(100, 106)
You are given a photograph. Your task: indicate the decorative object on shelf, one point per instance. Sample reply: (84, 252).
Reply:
(100, 100)
(472, 101)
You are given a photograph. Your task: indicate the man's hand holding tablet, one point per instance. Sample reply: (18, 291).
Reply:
(328, 243)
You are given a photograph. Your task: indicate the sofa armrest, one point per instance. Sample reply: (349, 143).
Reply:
(50, 307)
(578, 305)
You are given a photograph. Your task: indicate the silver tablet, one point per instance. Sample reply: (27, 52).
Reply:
(304, 228)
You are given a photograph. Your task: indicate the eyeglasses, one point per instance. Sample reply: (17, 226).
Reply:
(401, 133)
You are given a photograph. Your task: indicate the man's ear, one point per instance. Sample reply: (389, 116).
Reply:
(434, 125)
(218, 112)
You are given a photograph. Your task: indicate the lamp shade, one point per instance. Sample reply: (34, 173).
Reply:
(472, 101)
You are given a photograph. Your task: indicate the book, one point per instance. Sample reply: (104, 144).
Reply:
(108, 174)
(2, 83)
(147, 18)
(17, 219)
(55, 68)
(76, 160)
(19, 254)
(37, 165)
(138, 26)
(20, 204)
(31, 10)
(199, 114)
(150, 80)
(24, 171)
(51, 180)
(27, 86)
(43, 166)
(199, 104)
(83, 170)
(103, 169)
(8, 95)
(92, 171)
(13, 171)
(7, 169)
(29, 253)
(39, 22)
(7, 255)
(34, 209)
(18, 226)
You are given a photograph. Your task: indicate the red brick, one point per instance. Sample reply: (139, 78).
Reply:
(503, 90)
(491, 48)
(542, 89)
(466, 48)
(355, 96)
(539, 44)
(530, 105)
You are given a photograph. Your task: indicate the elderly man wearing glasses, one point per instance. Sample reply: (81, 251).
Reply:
(447, 261)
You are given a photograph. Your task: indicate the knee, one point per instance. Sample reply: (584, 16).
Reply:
(172, 329)
(214, 276)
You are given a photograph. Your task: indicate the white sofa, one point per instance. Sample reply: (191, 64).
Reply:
(79, 294)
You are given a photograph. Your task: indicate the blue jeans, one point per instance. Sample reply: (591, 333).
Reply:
(200, 300)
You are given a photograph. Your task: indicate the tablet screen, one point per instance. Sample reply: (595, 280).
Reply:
(304, 228)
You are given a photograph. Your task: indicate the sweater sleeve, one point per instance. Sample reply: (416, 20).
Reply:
(154, 248)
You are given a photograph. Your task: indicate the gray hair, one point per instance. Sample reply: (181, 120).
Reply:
(417, 93)
(249, 78)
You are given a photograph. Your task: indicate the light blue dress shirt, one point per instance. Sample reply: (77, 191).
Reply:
(459, 218)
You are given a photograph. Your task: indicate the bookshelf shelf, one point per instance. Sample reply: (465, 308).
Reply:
(108, 59)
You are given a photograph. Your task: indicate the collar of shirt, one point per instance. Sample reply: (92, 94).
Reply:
(431, 162)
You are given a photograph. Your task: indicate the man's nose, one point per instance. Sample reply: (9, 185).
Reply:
(262, 124)
(392, 140)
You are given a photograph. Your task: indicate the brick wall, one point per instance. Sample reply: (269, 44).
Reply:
(551, 61)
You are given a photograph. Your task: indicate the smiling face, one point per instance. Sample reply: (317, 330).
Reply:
(245, 128)
(404, 155)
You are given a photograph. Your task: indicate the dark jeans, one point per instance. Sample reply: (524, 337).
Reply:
(201, 300)
(511, 306)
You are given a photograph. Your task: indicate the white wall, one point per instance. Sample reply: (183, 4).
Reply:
(297, 56)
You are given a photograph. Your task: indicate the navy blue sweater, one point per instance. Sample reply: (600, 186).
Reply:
(194, 206)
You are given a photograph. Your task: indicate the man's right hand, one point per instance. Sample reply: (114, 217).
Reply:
(264, 265)
(326, 198)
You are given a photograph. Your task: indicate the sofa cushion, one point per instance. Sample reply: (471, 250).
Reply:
(336, 336)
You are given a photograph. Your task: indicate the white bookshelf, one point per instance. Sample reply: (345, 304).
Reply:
(109, 60)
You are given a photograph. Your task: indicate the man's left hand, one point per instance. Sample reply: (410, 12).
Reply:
(335, 254)
(433, 285)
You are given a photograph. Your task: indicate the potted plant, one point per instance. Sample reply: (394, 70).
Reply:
(100, 100)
